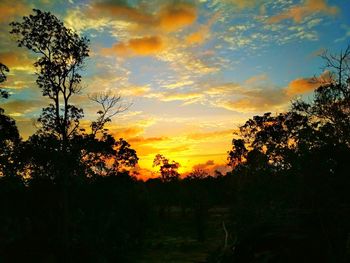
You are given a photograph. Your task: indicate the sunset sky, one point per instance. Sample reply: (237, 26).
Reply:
(193, 70)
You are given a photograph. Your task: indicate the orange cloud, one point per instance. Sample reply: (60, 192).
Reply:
(126, 132)
(304, 85)
(12, 9)
(119, 10)
(16, 60)
(299, 12)
(144, 46)
(174, 17)
(300, 86)
(151, 140)
(169, 18)
(202, 33)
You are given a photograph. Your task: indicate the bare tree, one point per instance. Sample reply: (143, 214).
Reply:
(339, 67)
(111, 105)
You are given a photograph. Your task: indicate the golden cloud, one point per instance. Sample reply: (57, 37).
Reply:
(135, 90)
(17, 60)
(179, 84)
(299, 12)
(17, 108)
(234, 97)
(209, 135)
(172, 96)
(26, 126)
(273, 101)
(149, 140)
(144, 46)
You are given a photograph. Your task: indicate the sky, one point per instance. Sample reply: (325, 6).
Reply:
(191, 71)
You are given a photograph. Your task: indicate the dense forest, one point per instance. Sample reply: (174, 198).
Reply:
(67, 193)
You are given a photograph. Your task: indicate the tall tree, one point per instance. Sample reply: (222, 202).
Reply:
(61, 56)
(62, 53)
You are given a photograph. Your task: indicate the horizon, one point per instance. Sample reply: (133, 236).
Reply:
(193, 71)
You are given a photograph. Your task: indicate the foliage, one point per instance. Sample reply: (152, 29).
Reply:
(290, 172)
(62, 53)
(9, 135)
(3, 69)
(168, 170)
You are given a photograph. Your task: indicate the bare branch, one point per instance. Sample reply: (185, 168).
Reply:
(111, 105)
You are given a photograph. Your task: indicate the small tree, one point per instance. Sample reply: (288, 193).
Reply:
(168, 170)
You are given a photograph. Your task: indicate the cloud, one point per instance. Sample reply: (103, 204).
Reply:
(203, 33)
(178, 84)
(144, 46)
(18, 108)
(298, 12)
(257, 100)
(17, 60)
(173, 96)
(346, 35)
(210, 167)
(149, 140)
(304, 85)
(12, 9)
(170, 17)
(79, 21)
(119, 10)
(174, 17)
(135, 90)
(209, 135)
(126, 132)
(242, 4)
(256, 96)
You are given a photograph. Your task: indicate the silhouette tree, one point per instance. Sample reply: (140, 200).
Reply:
(238, 153)
(3, 70)
(329, 110)
(9, 135)
(110, 106)
(298, 163)
(197, 174)
(61, 56)
(168, 170)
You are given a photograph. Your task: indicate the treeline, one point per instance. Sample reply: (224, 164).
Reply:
(66, 194)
